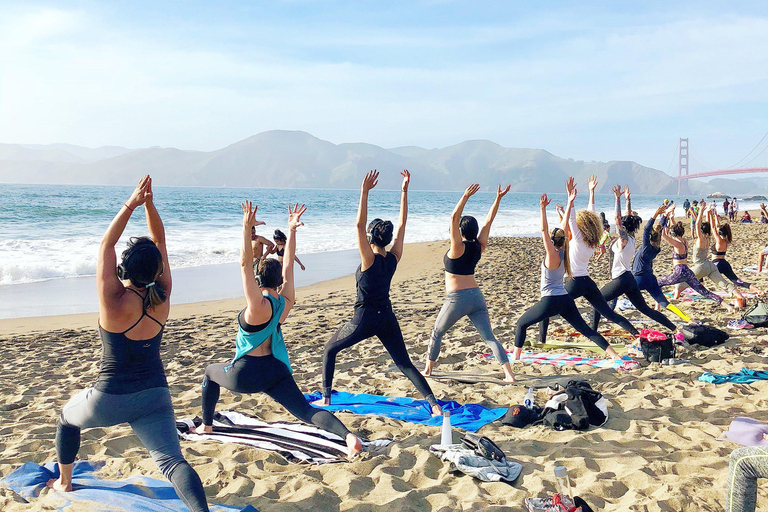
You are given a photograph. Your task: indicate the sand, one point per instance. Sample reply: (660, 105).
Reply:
(657, 452)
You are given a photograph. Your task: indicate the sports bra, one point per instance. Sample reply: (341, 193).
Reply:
(465, 264)
(280, 252)
(718, 253)
(676, 256)
(130, 366)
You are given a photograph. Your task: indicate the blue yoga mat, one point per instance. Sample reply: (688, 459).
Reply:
(745, 376)
(134, 494)
(468, 417)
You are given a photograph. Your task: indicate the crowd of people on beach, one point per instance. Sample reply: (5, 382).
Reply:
(134, 305)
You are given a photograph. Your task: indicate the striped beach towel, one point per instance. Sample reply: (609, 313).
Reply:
(565, 359)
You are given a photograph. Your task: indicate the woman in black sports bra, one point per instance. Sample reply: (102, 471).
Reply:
(131, 387)
(373, 309)
(463, 296)
(723, 239)
(279, 248)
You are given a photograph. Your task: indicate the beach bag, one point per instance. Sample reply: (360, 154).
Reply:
(704, 335)
(576, 408)
(483, 447)
(658, 350)
(757, 315)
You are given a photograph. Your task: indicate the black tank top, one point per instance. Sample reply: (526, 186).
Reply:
(373, 283)
(465, 264)
(129, 366)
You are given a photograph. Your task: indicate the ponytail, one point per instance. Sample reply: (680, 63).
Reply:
(155, 296)
(566, 259)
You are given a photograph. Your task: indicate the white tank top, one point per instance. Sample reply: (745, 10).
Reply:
(622, 258)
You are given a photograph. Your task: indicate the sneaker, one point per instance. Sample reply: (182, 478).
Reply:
(554, 503)
(739, 324)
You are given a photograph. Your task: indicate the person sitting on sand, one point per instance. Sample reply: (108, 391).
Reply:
(261, 363)
(745, 466)
(279, 248)
(260, 246)
(555, 300)
(763, 219)
(462, 293)
(373, 309)
(623, 282)
(131, 386)
(642, 265)
(674, 235)
(702, 267)
(585, 230)
(723, 239)
(746, 218)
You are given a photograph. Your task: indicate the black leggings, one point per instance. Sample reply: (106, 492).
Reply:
(584, 286)
(625, 284)
(264, 374)
(382, 323)
(552, 305)
(725, 269)
(649, 283)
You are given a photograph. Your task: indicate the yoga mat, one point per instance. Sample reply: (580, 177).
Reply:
(475, 378)
(564, 359)
(90, 492)
(470, 417)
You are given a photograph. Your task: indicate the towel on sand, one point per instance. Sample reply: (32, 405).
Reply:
(471, 464)
(745, 376)
(747, 432)
(90, 492)
(468, 417)
(563, 359)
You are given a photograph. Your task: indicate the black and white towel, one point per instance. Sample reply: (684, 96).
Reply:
(297, 442)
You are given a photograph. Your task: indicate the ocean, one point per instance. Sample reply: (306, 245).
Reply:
(49, 235)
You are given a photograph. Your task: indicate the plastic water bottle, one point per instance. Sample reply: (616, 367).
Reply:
(528, 400)
(563, 482)
(446, 436)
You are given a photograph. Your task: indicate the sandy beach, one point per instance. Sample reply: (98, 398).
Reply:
(657, 452)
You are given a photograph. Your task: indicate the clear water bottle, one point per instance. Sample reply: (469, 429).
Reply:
(528, 400)
(563, 482)
(446, 436)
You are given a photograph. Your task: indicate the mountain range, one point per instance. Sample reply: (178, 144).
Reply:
(295, 159)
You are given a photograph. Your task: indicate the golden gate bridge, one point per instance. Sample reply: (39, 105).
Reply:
(683, 158)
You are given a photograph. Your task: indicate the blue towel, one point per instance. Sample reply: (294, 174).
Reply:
(134, 494)
(745, 376)
(468, 417)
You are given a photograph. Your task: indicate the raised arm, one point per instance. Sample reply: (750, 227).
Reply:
(649, 225)
(551, 257)
(366, 253)
(714, 220)
(397, 244)
(457, 247)
(288, 291)
(486, 229)
(569, 218)
(256, 307)
(157, 233)
(592, 187)
(108, 285)
(623, 237)
(628, 198)
(699, 217)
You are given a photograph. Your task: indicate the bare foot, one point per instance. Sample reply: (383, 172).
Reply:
(58, 485)
(509, 378)
(207, 429)
(354, 445)
(323, 402)
(428, 367)
(437, 410)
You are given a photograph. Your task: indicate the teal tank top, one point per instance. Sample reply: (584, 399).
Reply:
(247, 341)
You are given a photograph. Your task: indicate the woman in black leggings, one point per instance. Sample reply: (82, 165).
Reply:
(586, 229)
(261, 362)
(554, 299)
(373, 310)
(723, 239)
(623, 282)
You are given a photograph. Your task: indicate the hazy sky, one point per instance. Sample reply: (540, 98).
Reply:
(604, 81)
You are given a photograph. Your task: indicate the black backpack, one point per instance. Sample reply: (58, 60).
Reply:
(704, 335)
(657, 351)
(579, 410)
(757, 314)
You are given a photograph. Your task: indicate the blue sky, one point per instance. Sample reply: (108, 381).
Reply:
(603, 81)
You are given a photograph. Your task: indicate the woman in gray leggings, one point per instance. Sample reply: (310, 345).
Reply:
(747, 464)
(463, 296)
(131, 386)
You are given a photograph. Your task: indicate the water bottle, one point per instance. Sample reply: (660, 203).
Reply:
(563, 482)
(446, 436)
(528, 400)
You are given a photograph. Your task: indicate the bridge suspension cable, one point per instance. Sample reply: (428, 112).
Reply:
(750, 152)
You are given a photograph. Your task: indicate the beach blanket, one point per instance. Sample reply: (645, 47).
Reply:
(296, 442)
(468, 417)
(90, 492)
(747, 432)
(564, 359)
(745, 376)
(691, 296)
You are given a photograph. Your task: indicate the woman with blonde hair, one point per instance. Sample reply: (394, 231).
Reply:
(555, 300)
(586, 229)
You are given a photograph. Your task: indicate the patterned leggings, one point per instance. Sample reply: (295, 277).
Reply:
(683, 274)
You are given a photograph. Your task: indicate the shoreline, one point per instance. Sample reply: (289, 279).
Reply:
(417, 257)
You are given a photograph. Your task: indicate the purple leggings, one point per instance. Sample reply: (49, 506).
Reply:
(683, 274)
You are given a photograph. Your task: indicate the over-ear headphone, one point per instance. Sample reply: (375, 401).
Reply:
(122, 268)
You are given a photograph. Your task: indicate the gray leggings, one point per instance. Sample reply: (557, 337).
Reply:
(150, 414)
(468, 302)
(747, 464)
(708, 269)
